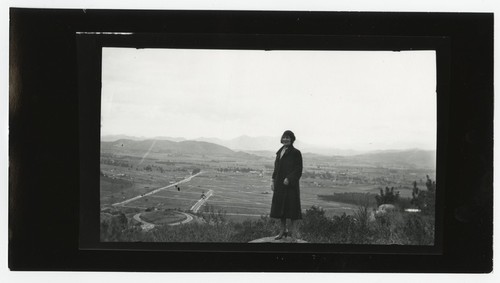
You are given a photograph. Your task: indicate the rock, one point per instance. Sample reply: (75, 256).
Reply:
(384, 209)
(272, 240)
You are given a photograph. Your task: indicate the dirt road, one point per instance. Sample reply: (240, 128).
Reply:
(148, 226)
(157, 190)
(202, 201)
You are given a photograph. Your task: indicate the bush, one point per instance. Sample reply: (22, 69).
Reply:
(390, 228)
(113, 227)
(425, 200)
(195, 232)
(389, 197)
(419, 229)
(343, 226)
(315, 226)
(343, 229)
(213, 216)
(361, 234)
(387, 229)
(250, 230)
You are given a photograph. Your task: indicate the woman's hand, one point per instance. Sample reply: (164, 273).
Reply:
(286, 182)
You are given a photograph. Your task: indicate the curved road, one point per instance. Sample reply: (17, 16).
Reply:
(148, 226)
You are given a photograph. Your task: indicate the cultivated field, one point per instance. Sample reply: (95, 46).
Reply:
(240, 186)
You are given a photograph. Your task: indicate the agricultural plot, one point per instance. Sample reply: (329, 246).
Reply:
(240, 188)
(235, 193)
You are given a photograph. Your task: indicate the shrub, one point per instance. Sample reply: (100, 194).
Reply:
(391, 228)
(343, 227)
(419, 229)
(361, 232)
(213, 216)
(113, 226)
(250, 229)
(315, 225)
(194, 232)
(425, 200)
(387, 228)
(389, 197)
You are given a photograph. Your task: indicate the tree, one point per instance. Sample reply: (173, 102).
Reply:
(389, 197)
(431, 185)
(425, 200)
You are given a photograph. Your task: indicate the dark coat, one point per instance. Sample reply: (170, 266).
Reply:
(286, 199)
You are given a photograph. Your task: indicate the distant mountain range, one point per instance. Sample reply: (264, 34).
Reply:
(111, 138)
(166, 146)
(246, 143)
(416, 158)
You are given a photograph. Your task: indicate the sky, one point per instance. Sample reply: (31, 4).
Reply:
(361, 100)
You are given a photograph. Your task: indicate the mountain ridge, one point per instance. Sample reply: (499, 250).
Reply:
(247, 143)
(167, 146)
(410, 158)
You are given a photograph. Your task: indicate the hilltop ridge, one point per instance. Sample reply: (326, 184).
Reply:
(166, 146)
(410, 158)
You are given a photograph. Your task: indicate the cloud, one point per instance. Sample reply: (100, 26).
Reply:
(333, 97)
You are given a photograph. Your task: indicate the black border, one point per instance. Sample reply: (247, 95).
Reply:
(89, 64)
(44, 146)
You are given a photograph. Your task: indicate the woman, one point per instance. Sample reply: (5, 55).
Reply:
(285, 185)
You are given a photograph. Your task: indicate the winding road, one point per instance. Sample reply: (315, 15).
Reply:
(189, 217)
(148, 226)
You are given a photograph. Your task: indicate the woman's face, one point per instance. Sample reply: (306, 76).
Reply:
(286, 140)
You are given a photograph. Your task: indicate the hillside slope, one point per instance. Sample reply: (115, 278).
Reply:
(166, 146)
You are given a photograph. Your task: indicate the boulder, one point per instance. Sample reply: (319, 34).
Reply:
(384, 209)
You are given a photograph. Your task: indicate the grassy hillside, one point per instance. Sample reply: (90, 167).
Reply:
(396, 228)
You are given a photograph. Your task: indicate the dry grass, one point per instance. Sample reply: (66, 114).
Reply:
(396, 228)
